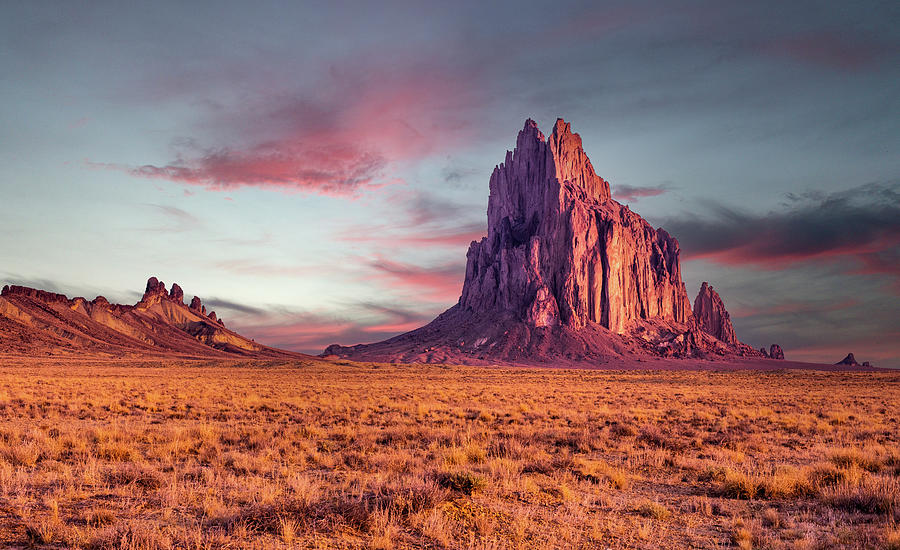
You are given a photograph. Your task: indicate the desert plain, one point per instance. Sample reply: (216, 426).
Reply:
(152, 454)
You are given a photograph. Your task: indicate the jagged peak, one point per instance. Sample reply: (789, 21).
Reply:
(176, 294)
(154, 287)
(562, 127)
(711, 315)
(530, 138)
(572, 163)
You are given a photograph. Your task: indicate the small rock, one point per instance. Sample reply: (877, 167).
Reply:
(775, 352)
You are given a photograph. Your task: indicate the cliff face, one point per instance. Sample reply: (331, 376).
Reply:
(560, 251)
(711, 316)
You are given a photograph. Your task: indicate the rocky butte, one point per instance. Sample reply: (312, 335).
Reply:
(565, 275)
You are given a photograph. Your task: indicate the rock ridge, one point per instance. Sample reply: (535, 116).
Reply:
(38, 322)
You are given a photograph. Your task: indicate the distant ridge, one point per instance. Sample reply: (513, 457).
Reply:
(40, 323)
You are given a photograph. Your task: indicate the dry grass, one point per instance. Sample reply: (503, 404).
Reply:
(319, 455)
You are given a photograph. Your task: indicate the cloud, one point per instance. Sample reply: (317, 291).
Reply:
(332, 169)
(338, 138)
(181, 220)
(395, 319)
(859, 228)
(441, 283)
(312, 332)
(223, 304)
(633, 193)
(422, 220)
(390, 238)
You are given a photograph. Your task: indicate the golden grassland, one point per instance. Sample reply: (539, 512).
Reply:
(322, 455)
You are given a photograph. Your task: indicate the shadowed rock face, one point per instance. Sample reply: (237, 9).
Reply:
(849, 360)
(711, 316)
(775, 352)
(560, 251)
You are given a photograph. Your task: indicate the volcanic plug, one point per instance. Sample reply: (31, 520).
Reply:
(565, 274)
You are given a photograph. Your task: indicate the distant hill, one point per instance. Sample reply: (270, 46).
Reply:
(40, 323)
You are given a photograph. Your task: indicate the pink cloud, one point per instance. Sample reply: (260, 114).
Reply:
(312, 332)
(338, 140)
(455, 237)
(336, 170)
(441, 283)
(422, 220)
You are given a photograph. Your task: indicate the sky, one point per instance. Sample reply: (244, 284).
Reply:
(315, 171)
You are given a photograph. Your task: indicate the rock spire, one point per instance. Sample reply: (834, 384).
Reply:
(711, 316)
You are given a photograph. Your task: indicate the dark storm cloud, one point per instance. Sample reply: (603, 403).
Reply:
(221, 303)
(859, 225)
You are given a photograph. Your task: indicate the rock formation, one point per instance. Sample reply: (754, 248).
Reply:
(196, 304)
(176, 294)
(37, 322)
(565, 275)
(775, 352)
(849, 361)
(154, 287)
(711, 316)
(560, 251)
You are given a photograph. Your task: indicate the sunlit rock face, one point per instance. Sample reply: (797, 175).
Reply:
(37, 322)
(559, 250)
(711, 316)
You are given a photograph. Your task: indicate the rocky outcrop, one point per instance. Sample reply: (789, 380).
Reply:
(154, 288)
(176, 294)
(775, 352)
(848, 361)
(37, 322)
(196, 304)
(37, 294)
(559, 250)
(711, 316)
